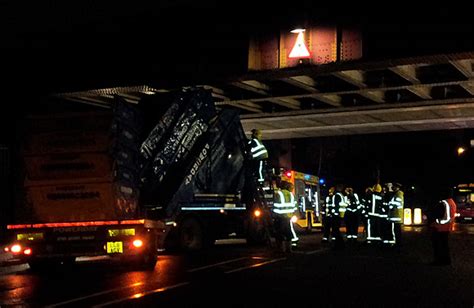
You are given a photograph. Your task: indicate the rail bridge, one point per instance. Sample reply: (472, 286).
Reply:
(410, 94)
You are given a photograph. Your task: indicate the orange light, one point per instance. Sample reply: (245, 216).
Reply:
(294, 219)
(138, 243)
(133, 222)
(79, 224)
(257, 213)
(27, 251)
(16, 248)
(461, 150)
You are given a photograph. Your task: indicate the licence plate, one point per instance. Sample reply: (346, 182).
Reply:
(114, 247)
(468, 218)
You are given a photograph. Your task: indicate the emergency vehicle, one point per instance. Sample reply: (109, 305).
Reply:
(308, 197)
(464, 197)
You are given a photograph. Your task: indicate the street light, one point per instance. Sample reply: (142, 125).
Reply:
(461, 150)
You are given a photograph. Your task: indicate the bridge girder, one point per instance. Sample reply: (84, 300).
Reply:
(360, 97)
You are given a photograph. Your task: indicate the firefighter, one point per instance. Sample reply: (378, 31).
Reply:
(442, 222)
(375, 215)
(351, 217)
(284, 207)
(387, 228)
(365, 205)
(258, 155)
(338, 203)
(327, 215)
(395, 215)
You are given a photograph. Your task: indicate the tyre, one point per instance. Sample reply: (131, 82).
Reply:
(257, 234)
(190, 235)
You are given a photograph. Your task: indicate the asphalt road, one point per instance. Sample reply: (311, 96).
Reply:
(233, 274)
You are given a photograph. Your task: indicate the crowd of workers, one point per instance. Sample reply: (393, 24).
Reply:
(379, 210)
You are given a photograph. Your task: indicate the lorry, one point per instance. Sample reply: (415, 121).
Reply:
(306, 189)
(170, 172)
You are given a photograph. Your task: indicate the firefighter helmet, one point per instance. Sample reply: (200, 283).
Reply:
(377, 188)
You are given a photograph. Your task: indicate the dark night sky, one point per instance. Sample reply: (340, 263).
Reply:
(61, 45)
(50, 46)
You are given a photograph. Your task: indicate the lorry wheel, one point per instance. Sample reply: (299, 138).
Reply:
(190, 235)
(257, 233)
(257, 237)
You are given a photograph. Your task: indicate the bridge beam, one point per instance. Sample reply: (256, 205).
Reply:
(354, 77)
(422, 92)
(464, 67)
(303, 82)
(407, 72)
(377, 96)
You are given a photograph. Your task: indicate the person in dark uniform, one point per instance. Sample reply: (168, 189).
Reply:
(351, 217)
(339, 203)
(395, 215)
(327, 215)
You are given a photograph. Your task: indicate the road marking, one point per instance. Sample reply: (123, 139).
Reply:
(316, 251)
(215, 264)
(96, 294)
(142, 294)
(254, 265)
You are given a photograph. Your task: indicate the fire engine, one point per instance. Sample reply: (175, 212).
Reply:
(308, 197)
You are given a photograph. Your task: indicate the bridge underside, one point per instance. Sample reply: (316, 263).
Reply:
(412, 94)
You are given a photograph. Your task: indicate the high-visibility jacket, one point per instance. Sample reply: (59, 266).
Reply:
(328, 206)
(376, 206)
(445, 223)
(395, 207)
(353, 203)
(257, 149)
(366, 204)
(339, 204)
(284, 203)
